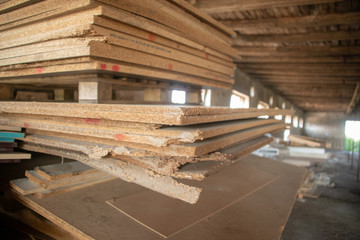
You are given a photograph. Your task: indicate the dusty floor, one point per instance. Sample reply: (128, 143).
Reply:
(335, 214)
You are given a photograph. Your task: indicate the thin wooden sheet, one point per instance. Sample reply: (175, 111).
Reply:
(167, 216)
(261, 215)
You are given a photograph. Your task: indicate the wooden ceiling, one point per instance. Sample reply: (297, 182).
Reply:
(305, 50)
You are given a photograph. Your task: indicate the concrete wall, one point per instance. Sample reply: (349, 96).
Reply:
(326, 126)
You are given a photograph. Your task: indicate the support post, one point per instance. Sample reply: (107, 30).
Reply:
(94, 92)
(156, 95)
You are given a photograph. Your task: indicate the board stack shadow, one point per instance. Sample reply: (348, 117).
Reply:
(50, 41)
(148, 145)
(8, 144)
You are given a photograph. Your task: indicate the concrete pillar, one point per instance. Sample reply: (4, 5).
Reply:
(156, 95)
(94, 92)
(220, 97)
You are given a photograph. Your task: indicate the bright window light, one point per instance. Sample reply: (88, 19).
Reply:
(206, 97)
(352, 130)
(239, 100)
(278, 117)
(178, 96)
(286, 134)
(301, 123)
(295, 122)
(262, 105)
(288, 119)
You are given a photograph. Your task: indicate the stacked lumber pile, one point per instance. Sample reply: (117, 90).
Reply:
(147, 145)
(160, 39)
(53, 179)
(8, 144)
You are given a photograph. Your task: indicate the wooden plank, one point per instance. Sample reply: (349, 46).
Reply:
(220, 191)
(10, 160)
(11, 135)
(298, 51)
(10, 128)
(73, 186)
(7, 140)
(303, 141)
(4, 149)
(15, 155)
(130, 173)
(214, 6)
(8, 144)
(8, 6)
(347, 18)
(64, 170)
(303, 37)
(24, 186)
(169, 115)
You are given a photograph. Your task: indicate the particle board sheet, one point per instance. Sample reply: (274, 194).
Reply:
(126, 132)
(89, 217)
(167, 216)
(156, 114)
(195, 149)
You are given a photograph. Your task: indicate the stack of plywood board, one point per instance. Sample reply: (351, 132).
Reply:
(8, 144)
(160, 39)
(49, 180)
(147, 145)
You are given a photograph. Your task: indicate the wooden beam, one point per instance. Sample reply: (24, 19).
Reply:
(311, 21)
(301, 66)
(203, 16)
(319, 100)
(333, 93)
(308, 51)
(281, 78)
(305, 72)
(300, 37)
(354, 100)
(216, 6)
(310, 59)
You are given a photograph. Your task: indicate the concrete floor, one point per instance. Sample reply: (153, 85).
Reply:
(335, 214)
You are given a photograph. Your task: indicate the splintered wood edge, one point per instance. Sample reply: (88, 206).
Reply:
(130, 173)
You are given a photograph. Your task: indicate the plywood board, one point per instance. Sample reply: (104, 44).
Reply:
(167, 115)
(11, 135)
(10, 128)
(89, 217)
(195, 149)
(64, 170)
(220, 191)
(15, 155)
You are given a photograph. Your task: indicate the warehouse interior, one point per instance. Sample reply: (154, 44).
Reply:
(180, 119)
